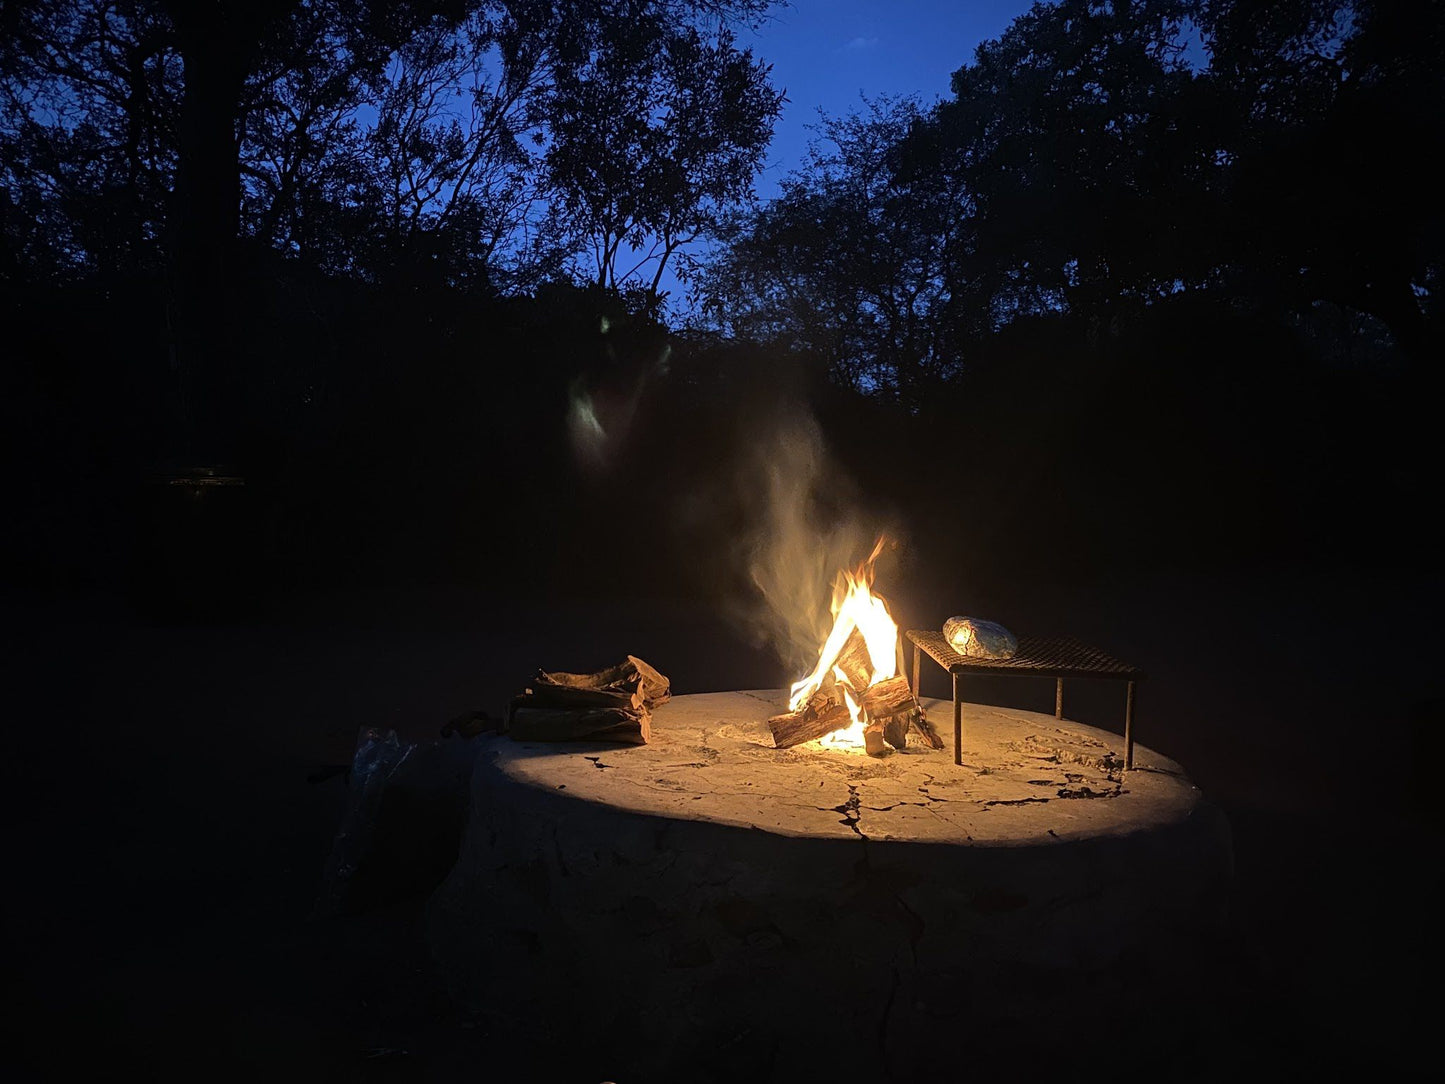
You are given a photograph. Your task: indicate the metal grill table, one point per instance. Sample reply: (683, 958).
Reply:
(1058, 657)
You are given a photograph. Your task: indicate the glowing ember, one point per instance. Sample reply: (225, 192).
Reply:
(855, 607)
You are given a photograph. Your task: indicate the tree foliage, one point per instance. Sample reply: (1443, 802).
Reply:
(659, 130)
(91, 98)
(452, 141)
(852, 262)
(1102, 157)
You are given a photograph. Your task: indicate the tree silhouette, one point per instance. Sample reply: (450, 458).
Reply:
(1085, 158)
(299, 136)
(657, 132)
(436, 143)
(1330, 194)
(1098, 159)
(88, 134)
(851, 263)
(1189, 248)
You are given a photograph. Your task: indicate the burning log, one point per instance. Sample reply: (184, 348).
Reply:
(859, 674)
(889, 707)
(895, 730)
(819, 716)
(892, 701)
(563, 724)
(887, 697)
(854, 661)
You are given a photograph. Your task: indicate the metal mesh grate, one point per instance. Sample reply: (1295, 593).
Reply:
(1038, 656)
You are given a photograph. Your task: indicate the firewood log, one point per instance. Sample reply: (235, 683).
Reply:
(873, 740)
(820, 715)
(604, 724)
(918, 720)
(887, 697)
(626, 696)
(892, 701)
(895, 730)
(855, 662)
(655, 687)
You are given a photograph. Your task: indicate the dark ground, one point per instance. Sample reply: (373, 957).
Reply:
(172, 813)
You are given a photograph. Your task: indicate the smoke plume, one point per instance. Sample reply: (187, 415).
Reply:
(803, 526)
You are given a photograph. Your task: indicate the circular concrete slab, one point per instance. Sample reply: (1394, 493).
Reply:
(1026, 778)
(707, 906)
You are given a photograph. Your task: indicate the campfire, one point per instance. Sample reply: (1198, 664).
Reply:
(856, 697)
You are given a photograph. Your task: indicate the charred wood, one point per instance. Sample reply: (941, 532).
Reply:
(855, 662)
(895, 730)
(918, 720)
(887, 697)
(820, 715)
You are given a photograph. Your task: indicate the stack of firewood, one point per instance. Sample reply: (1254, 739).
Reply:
(613, 705)
(889, 708)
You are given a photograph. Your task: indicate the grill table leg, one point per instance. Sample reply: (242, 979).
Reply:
(1129, 728)
(957, 723)
(1059, 699)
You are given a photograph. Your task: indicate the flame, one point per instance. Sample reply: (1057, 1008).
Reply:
(854, 606)
(851, 736)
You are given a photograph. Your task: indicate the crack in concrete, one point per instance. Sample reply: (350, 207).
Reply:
(850, 811)
(1064, 792)
(762, 699)
(1012, 801)
(1086, 792)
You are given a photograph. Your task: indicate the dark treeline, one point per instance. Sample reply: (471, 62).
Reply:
(1157, 284)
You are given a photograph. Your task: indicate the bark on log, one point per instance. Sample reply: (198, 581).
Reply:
(820, 715)
(627, 697)
(633, 672)
(605, 724)
(918, 719)
(895, 730)
(887, 697)
(855, 662)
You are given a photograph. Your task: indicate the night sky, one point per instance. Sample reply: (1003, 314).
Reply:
(824, 54)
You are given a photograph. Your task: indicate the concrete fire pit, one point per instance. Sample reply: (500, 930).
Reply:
(707, 904)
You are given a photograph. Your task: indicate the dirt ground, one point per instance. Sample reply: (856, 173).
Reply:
(174, 797)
